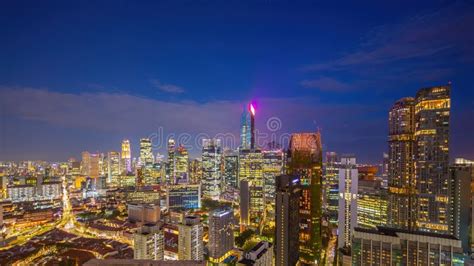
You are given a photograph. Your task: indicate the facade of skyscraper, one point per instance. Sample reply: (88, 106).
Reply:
(247, 127)
(331, 186)
(432, 112)
(251, 170)
(230, 168)
(401, 167)
(146, 154)
(190, 244)
(113, 166)
(221, 234)
(183, 196)
(126, 157)
(273, 166)
(348, 183)
(211, 168)
(305, 161)
(195, 171)
(287, 202)
(372, 204)
(171, 169)
(181, 165)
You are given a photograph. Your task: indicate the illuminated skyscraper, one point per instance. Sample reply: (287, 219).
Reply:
(305, 161)
(181, 165)
(251, 170)
(432, 113)
(371, 204)
(287, 201)
(86, 163)
(401, 167)
(211, 168)
(231, 167)
(113, 166)
(146, 154)
(126, 157)
(273, 166)
(331, 186)
(94, 166)
(347, 220)
(148, 243)
(247, 127)
(195, 171)
(171, 170)
(221, 234)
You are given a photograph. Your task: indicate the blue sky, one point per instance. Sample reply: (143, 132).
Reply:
(83, 76)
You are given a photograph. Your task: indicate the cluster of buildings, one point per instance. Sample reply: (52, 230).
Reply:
(413, 208)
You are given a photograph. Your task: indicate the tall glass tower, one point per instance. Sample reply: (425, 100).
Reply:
(247, 127)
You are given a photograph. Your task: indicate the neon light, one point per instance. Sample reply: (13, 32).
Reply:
(252, 109)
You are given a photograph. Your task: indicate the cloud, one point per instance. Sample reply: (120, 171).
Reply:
(431, 37)
(169, 88)
(326, 84)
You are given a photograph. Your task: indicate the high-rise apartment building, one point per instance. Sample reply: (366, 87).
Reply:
(348, 184)
(126, 156)
(191, 246)
(287, 199)
(148, 243)
(401, 167)
(211, 168)
(432, 112)
(221, 234)
(305, 161)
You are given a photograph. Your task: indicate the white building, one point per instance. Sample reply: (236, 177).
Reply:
(347, 215)
(18, 193)
(190, 244)
(51, 190)
(148, 243)
(260, 255)
(221, 234)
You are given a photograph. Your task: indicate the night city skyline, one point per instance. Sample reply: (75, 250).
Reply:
(77, 77)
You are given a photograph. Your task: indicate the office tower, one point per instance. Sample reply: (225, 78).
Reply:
(190, 244)
(251, 169)
(195, 171)
(273, 166)
(143, 213)
(126, 157)
(171, 160)
(244, 205)
(86, 163)
(231, 168)
(400, 247)
(148, 243)
(461, 194)
(432, 158)
(247, 127)
(331, 186)
(371, 204)
(305, 161)
(113, 166)
(348, 178)
(183, 196)
(211, 171)
(261, 254)
(221, 234)
(94, 169)
(181, 165)
(287, 202)
(401, 165)
(146, 154)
